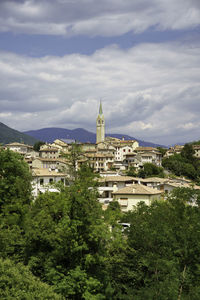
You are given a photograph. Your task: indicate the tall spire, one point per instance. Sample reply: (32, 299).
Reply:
(100, 109)
(100, 125)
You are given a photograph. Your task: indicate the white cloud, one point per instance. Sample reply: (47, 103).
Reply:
(150, 91)
(91, 17)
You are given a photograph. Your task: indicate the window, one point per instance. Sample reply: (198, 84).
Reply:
(41, 181)
(50, 180)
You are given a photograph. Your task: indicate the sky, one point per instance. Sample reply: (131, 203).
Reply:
(141, 58)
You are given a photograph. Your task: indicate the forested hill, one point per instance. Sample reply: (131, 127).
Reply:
(9, 135)
(79, 134)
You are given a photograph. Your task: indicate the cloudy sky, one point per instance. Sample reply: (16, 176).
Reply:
(58, 58)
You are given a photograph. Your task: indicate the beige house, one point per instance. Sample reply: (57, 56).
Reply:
(174, 150)
(49, 152)
(129, 196)
(100, 162)
(110, 184)
(61, 145)
(50, 163)
(197, 150)
(88, 147)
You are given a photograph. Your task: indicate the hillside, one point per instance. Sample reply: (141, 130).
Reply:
(9, 135)
(79, 134)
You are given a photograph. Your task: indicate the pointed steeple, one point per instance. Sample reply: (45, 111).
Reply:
(100, 108)
(100, 125)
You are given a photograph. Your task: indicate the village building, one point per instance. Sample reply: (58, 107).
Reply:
(49, 152)
(129, 196)
(109, 184)
(20, 148)
(149, 155)
(50, 163)
(197, 150)
(62, 145)
(43, 180)
(173, 150)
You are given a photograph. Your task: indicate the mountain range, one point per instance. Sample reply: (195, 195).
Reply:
(79, 134)
(9, 135)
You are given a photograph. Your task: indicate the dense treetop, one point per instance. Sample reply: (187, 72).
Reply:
(64, 246)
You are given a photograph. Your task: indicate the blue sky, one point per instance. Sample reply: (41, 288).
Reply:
(141, 57)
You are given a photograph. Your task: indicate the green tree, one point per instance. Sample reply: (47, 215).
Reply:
(15, 199)
(66, 240)
(74, 155)
(160, 260)
(131, 171)
(162, 150)
(17, 282)
(188, 153)
(150, 169)
(37, 145)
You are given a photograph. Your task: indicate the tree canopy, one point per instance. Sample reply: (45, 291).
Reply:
(64, 246)
(184, 164)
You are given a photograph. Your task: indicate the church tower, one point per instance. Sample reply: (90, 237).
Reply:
(100, 126)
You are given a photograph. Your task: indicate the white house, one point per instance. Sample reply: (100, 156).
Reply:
(43, 180)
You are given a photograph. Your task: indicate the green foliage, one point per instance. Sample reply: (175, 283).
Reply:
(73, 157)
(37, 145)
(113, 213)
(188, 153)
(162, 150)
(66, 240)
(184, 164)
(15, 198)
(149, 170)
(15, 186)
(131, 171)
(17, 282)
(160, 260)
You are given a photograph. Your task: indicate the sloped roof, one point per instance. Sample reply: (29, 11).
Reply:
(117, 178)
(16, 144)
(154, 179)
(46, 173)
(137, 189)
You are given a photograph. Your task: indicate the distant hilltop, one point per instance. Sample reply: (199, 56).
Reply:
(9, 135)
(79, 134)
